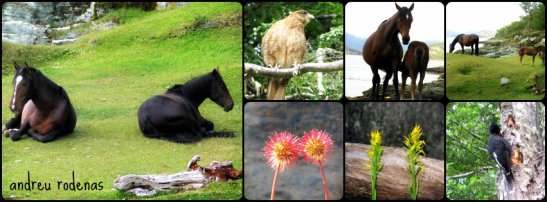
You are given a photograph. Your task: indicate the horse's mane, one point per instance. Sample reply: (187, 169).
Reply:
(455, 40)
(192, 86)
(37, 75)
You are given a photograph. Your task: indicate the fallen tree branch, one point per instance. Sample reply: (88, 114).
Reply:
(253, 69)
(482, 169)
(195, 177)
(393, 179)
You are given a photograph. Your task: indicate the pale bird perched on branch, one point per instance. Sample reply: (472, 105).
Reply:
(283, 46)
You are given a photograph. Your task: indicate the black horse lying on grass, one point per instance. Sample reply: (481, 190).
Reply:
(174, 116)
(42, 108)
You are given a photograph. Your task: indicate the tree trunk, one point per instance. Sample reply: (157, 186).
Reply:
(528, 133)
(393, 180)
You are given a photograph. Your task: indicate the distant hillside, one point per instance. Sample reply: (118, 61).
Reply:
(355, 43)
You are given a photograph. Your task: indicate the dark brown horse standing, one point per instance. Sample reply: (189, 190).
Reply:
(414, 63)
(383, 50)
(42, 108)
(466, 40)
(532, 51)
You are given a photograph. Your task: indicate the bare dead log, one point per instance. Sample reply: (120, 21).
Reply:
(195, 177)
(253, 69)
(393, 180)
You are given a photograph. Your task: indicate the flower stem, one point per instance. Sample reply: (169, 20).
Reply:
(272, 197)
(373, 187)
(324, 181)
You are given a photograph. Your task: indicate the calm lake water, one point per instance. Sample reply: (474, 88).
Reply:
(359, 76)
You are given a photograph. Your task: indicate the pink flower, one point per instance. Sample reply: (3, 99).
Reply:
(315, 146)
(281, 150)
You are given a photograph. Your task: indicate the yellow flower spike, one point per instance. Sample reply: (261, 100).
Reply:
(414, 148)
(374, 154)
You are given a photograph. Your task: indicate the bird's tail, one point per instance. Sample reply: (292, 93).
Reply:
(276, 88)
(509, 178)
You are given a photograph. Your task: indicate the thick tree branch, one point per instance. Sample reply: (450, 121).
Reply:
(482, 169)
(253, 69)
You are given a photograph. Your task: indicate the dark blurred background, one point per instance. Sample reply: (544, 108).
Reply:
(395, 120)
(303, 181)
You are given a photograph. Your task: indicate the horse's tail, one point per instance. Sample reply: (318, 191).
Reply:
(220, 134)
(418, 58)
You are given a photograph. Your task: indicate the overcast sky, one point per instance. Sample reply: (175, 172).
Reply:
(363, 18)
(468, 17)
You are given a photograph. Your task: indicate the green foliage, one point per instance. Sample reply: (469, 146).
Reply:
(534, 20)
(324, 31)
(467, 135)
(332, 38)
(471, 77)
(107, 83)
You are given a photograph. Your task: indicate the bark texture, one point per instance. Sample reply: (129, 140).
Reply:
(529, 135)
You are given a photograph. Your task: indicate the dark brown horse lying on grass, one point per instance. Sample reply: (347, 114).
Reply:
(42, 108)
(531, 51)
(174, 115)
(414, 63)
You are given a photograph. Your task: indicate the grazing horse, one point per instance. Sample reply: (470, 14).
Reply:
(532, 51)
(174, 116)
(414, 63)
(542, 56)
(466, 40)
(383, 50)
(42, 108)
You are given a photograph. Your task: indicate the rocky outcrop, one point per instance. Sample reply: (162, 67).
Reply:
(29, 22)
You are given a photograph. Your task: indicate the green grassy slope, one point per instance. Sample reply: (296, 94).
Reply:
(107, 75)
(470, 77)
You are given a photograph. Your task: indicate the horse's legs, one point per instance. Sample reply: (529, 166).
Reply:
(412, 85)
(12, 123)
(45, 138)
(463, 51)
(375, 84)
(421, 84)
(396, 82)
(521, 59)
(16, 134)
(477, 48)
(403, 78)
(386, 82)
(533, 60)
(208, 125)
(472, 50)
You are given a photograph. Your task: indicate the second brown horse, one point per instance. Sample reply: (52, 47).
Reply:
(532, 51)
(414, 63)
(383, 50)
